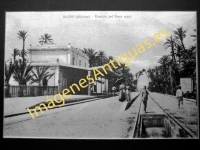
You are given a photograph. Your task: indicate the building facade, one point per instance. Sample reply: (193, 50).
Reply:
(69, 65)
(65, 54)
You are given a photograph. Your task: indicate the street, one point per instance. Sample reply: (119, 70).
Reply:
(103, 118)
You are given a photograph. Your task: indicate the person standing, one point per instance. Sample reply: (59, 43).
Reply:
(113, 89)
(144, 98)
(128, 92)
(122, 91)
(179, 96)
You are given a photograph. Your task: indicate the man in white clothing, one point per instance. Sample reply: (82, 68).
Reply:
(179, 96)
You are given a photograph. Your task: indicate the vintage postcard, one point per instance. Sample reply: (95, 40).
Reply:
(101, 75)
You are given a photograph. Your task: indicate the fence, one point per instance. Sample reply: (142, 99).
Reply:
(24, 91)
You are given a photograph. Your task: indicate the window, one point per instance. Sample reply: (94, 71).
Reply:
(73, 62)
(85, 64)
(95, 88)
(79, 62)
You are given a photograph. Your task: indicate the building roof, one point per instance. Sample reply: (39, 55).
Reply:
(52, 64)
(109, 73)
(53, 47)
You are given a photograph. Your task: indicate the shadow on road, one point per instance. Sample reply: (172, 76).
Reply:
(131, 102)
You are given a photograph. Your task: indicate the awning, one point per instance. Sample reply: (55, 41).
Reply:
(110, 74)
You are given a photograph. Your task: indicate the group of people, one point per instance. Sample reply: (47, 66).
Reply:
(124, 91)
(125, 94)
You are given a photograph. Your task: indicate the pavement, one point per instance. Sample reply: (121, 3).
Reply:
(105, 118)
(17, 105)
(171, 102)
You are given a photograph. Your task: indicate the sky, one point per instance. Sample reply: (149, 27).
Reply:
(109, 31)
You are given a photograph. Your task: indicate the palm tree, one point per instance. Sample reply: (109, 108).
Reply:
(15, 54)
(23, 35)
(23, 54)
(41, 75)
(164, 61)
(22, 73)
(110, 58)
(102, 56)
(8, 74)
(164, 74)
(91, 54)
(190, 54)
(170, 43)
(45, 39)
(189, 62)
(178, 52)
(180, 34)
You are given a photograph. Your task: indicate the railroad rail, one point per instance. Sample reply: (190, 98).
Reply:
(137, 128)
(187, 99)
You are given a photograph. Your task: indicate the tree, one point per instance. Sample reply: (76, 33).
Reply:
(189, 62)
(45, 38)
(102, 57)
(8, 74)
(178, 52)
(180, 34)
(170, 43)
(22, 74)
(23, 53)
(8, 71)
(41, 75)
(23, 35)
(92, 56)
(110, 58)
(164, 61)
(16, 53)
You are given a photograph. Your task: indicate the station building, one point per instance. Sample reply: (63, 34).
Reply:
(69, 65)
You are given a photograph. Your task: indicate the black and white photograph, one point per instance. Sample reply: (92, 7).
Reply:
(101, 75)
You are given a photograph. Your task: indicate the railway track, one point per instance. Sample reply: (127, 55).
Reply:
(194, 101)
(173, 126)
(191, 100)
